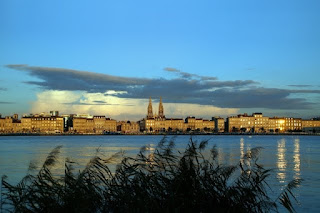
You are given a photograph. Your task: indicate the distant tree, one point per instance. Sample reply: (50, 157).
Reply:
(234, 129)
(243, 129)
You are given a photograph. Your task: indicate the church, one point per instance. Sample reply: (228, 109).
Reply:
(159, 122)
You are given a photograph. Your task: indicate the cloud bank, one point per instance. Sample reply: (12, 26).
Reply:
(184, 88)
(6, 102)
(120, 109)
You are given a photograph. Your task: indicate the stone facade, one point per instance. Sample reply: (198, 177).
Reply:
(95, 125)
(258, 123)
(32, 124)
(219, 124)
(43, 124)
(127, 127)
(159, 123)
(310, 125)
(246, 123)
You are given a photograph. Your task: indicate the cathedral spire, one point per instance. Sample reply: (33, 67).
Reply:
(161, 114)
(150, 114)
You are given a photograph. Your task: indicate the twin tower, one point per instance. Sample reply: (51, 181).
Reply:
(150, 113)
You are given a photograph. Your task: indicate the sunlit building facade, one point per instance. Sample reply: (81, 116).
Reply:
(95, 125)
(53, 123)
(256, 123)
(159, 123)
(127, 127)
(10, 124)
(42, 124)
(311, 126)
(219, 124)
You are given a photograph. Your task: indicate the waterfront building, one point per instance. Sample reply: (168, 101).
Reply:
(154, 122)
(42, 124)
(128, 127)
(198, 124)
(50, 123)
(10, 124)
(150, 113)
(258, 123)
(207, 125)
(277, 124)
(175, 124)
(159, 122)
(233, 124)
(219, 124)
(244, 123)
(312, 125)
(95, 125)
(293, 124)
(2, 124)
(285, 124)
(83, 125)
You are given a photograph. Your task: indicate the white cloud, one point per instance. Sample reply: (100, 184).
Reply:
(118, 108)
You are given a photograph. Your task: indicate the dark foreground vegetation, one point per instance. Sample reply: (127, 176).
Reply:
(164, 180)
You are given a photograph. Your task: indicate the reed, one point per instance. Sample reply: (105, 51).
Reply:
(166, 180)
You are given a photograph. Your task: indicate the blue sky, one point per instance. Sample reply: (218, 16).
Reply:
(108, 57)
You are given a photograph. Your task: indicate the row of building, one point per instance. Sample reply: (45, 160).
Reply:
(255, 123)
(159, 122)
(55, 124)
(258, 123)
(153, 123)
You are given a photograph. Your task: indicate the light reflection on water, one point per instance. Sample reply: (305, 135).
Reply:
(220, 155)
(281, 160)
(290, 156)
(296, 158)
(241, 149)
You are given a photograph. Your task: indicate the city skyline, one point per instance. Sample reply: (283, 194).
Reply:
(205, 59)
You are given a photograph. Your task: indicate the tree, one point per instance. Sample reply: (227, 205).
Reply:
(243, 129)
(234, 129)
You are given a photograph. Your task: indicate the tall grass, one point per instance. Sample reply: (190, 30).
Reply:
(164, 181)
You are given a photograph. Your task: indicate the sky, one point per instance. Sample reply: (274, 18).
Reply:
(204, 58)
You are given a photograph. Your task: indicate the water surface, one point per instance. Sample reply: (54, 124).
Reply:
(291, 157)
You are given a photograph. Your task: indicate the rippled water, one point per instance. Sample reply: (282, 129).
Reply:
(290, 156)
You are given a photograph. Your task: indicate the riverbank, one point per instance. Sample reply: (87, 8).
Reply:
(193, 133)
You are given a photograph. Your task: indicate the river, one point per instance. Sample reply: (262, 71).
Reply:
(291, 157)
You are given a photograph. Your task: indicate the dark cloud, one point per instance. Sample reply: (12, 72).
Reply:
(189, 75)
(100, 102)
(258, 98)
(80, 103)
(186, 88)
(298, 85)
(5, 102)
(67, 79)
(170, 69)
(305, 91)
